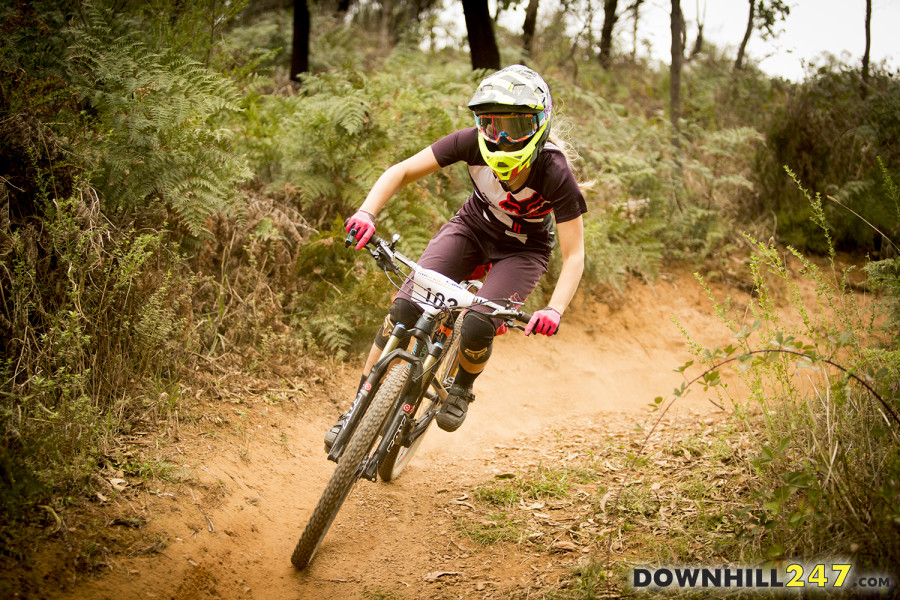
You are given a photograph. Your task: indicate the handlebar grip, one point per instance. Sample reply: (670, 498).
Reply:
(351, 238)
(523, 317)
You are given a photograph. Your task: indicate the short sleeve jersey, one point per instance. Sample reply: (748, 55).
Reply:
(521, 216)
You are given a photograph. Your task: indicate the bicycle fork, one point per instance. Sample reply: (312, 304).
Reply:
(403, 409)
(421, 331)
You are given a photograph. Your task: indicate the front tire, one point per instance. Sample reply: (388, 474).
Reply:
(348, 470)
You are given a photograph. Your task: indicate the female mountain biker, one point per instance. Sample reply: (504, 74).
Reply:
(521, 182)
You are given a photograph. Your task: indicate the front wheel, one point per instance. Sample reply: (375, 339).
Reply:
(348, 470)
(398, 456)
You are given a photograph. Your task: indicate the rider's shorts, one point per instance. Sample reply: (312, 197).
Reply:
(458, 248)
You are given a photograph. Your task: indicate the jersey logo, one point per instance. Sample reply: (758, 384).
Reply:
(532, 207)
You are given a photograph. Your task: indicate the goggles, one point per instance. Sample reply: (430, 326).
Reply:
(513, 128)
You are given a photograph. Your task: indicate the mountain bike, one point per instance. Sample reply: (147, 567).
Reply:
(405, 387)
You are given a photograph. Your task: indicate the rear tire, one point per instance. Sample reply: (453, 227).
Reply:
(398, 457)
(348, 470)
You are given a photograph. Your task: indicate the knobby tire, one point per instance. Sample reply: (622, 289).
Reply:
(347, 471)
(398, 457)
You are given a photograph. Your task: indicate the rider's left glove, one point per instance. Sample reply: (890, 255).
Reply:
(544, 321)
(364, 224)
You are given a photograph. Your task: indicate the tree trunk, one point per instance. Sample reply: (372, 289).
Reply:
(865, 65)
(387, 12)
(635, 8)
(529, 27)
(300, 50)
(609, 22)
(675, 68)
(482, 44)
(739, 61)
(698, 42)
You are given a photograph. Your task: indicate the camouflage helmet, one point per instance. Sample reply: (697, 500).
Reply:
(513, 90)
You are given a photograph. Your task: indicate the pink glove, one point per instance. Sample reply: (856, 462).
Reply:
(364, 224)
(544, 321)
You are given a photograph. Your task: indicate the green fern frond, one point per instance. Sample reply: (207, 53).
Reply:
(159, 111)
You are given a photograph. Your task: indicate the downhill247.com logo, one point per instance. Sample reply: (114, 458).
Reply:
(794, 576)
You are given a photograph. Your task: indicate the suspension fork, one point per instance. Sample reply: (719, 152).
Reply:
(369, 387)
(422, 332)
(404, 407)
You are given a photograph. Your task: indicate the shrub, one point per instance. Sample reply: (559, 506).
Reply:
(94, 314)
(822, 409)
(829, 134)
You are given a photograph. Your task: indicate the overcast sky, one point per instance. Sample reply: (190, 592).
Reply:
(813, 27)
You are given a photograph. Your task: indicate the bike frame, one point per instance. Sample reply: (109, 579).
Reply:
(422, 374)
(422, 361)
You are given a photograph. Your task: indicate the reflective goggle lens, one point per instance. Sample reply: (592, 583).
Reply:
(514, 128)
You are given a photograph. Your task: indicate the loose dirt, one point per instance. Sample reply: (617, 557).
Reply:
(251, 468)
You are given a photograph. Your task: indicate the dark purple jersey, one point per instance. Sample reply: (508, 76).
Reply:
(523, 215)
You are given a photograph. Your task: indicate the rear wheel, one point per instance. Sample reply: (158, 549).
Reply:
(398, 456)
(348, 470)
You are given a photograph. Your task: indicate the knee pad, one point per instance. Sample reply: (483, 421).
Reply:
(477, 337)
(402, 311)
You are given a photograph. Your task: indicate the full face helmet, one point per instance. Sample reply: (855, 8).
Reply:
(512, 112)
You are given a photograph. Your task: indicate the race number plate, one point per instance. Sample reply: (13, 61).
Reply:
(438, 291)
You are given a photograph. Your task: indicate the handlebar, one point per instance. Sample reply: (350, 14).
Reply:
(386, 257)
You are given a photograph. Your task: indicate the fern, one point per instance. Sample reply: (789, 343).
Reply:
(617, 247)
(158, 112)
(329, 145)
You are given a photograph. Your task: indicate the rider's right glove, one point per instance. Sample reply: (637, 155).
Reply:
(544, 321)
(364, 224)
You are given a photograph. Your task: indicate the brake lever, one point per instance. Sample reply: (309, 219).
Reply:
(384, 264)
(382, 259)
(513, 324)
(351, 237)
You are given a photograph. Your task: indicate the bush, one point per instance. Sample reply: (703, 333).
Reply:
(830, 132)
(95, 327)
(823, 409)
(96, 305)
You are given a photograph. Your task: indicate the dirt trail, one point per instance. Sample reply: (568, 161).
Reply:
(255, 479)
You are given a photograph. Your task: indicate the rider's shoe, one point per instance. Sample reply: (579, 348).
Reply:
(453, 410)
(332, 433)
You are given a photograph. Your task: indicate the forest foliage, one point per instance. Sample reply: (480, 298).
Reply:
(168, 197)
